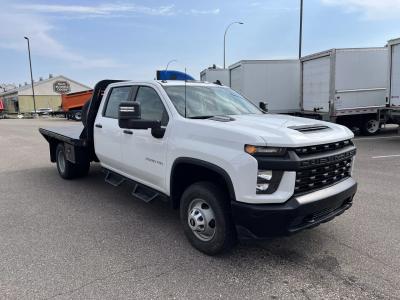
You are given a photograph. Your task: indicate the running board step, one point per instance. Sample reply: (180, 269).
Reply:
(139, 191)
(114, 179)
(143, 193)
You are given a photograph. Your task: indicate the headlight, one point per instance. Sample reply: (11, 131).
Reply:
(263, 150)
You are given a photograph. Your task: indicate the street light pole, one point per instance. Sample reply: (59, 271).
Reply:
(301, 28)
(30, 66)
(171, 61)
(226, 30)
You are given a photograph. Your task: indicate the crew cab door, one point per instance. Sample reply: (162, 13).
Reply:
(107, 133)
(144, 155)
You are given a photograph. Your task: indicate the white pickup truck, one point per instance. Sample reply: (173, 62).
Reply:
(233, 170)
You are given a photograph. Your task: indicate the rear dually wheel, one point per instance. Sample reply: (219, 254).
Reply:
(67, 169)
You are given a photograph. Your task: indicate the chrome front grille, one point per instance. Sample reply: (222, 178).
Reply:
(318, 177)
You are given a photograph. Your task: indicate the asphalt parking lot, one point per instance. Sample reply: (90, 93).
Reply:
(88, 240)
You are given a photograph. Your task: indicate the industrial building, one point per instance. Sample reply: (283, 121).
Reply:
(48, 93)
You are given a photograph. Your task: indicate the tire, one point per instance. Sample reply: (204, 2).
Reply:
(370, 126)
(206, 218)
(78, 115)
(67, 169)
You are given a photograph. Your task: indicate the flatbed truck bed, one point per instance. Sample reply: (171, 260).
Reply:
(67, 134)
(77, 149)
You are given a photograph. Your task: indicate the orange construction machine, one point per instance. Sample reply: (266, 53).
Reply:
(72, 104)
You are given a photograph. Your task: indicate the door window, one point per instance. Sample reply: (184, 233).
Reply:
(151, 105)
(116, 96)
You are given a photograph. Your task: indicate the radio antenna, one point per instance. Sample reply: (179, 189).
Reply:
(185, 91)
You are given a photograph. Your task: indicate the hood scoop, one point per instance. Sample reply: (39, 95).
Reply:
(309, 128)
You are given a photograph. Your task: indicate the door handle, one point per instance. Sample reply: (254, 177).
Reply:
(128, 131)
(99, 126)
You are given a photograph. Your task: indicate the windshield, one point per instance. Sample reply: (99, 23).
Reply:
(209, 101)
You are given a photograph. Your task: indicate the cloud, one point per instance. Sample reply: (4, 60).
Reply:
(98, 10)
(114, 10)
(215, 11)
(370, 9)
(36, 21)
(14, 26)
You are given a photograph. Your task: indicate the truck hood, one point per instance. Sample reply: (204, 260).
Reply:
(286, 131)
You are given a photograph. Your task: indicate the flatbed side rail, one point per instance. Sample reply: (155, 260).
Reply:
(48, 134)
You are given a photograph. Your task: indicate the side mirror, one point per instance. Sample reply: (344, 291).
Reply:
(263, 106)
(129, 117)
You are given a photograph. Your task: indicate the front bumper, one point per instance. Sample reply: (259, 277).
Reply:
(299, 212)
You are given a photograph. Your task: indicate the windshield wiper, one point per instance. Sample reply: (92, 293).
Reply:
(201, 117)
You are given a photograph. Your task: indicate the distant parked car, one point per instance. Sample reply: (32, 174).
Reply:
(43, 111)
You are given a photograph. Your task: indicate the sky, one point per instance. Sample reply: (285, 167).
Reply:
(92, 40)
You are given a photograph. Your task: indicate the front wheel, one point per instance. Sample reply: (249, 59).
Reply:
(370, 126)
(206, 218)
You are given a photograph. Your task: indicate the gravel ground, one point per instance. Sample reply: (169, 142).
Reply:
(84, 239)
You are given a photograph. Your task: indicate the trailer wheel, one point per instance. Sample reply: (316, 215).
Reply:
(370, 126)
(67, 169)
(206, 218)
(78, 115)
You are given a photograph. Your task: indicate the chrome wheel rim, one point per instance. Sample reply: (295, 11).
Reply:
(201, 220)
(61, 161)
(372, 126)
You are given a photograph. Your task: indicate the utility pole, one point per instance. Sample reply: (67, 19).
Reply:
(301, 28)
(30, 66)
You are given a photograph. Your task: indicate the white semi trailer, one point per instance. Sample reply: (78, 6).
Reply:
(394, 73)
(393, 95)
(347, 86)
(214, 74)
(276, 82)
